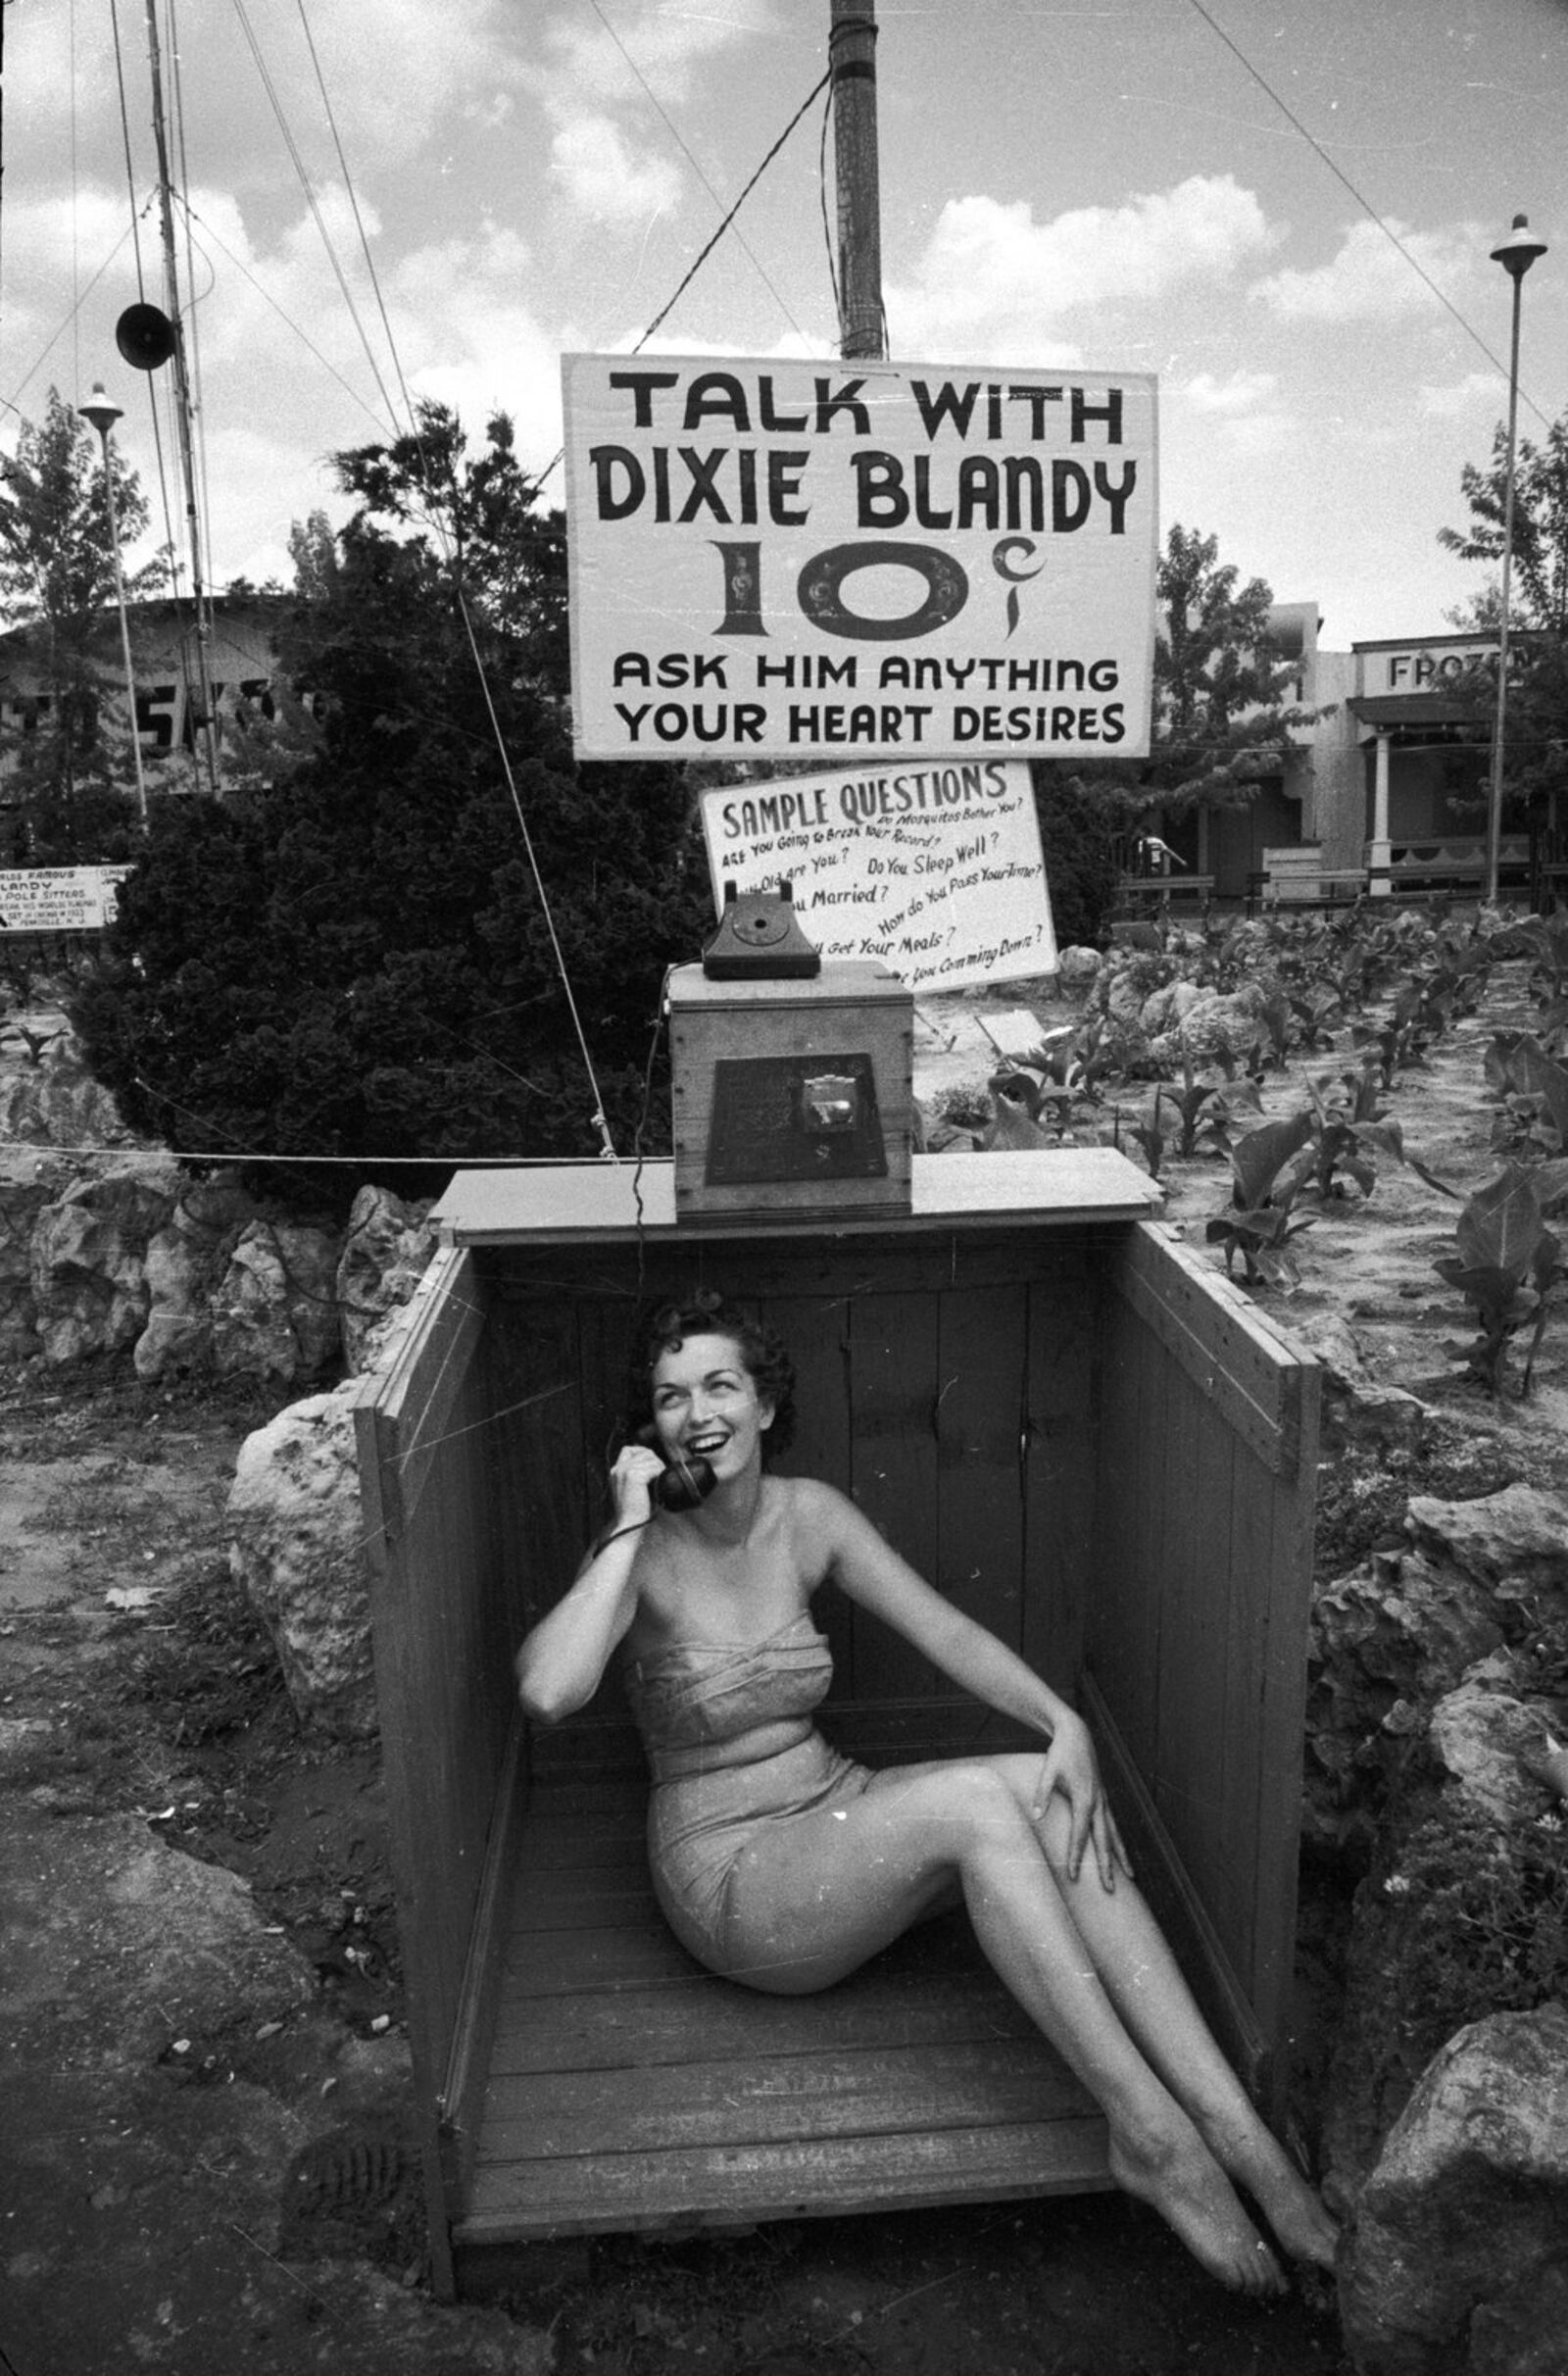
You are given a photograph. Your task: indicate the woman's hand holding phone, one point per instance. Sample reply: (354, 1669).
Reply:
(633, 1483)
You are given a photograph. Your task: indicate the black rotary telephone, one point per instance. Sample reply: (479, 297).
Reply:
(684, 1482)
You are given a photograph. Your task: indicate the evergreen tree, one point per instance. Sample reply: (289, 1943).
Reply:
(355, 960)
(70, 770)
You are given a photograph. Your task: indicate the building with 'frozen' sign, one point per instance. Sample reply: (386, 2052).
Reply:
(1391, 776)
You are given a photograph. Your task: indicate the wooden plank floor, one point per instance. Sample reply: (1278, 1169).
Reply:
(630, 2089)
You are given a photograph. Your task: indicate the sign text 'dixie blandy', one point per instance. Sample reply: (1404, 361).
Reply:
(798, 560)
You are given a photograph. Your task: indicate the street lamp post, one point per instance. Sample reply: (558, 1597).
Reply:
(103, 414)
(1516, 254)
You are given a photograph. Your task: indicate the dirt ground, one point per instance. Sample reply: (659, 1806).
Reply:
(202, 2156)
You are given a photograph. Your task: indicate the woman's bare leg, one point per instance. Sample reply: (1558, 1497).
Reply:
(1145, 1985)
(851, 1879)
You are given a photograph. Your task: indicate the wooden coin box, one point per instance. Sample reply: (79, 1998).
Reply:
(792, 1096)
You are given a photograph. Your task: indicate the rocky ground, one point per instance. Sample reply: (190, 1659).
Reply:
(202, 2162)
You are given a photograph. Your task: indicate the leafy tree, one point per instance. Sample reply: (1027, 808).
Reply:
(1536, 745)
(354, 959)
(1221, 721)
(70, 771)
(1539, 571)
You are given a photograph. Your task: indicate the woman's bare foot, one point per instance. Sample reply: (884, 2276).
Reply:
(1293, 2209)
(1190, 2191)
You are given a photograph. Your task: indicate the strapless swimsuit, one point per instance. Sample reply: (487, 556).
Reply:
(710, 1825)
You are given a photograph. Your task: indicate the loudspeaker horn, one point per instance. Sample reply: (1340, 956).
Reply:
(144, 336)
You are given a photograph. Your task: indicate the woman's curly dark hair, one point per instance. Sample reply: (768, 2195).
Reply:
(664, 1328)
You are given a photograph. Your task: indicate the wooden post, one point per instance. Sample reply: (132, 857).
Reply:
(852, 55)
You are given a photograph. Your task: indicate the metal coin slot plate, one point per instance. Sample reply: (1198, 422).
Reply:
(795, 1118)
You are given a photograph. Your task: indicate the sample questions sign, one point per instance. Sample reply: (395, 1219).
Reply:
(877, 561)
(934, 869)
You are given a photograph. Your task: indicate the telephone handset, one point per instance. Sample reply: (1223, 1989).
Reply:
(684, 1482)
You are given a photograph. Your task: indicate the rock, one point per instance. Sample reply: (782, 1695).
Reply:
(123, 1944)
(187, 1262)
(1077, 967)
(1165, 1008)
(1522, 2334)
(1330, 1337)
(297, 1552)
(1476, 1735)
(1457, 2257)
(275, 1314)
(385, 1254)
(1514, 1542)
(1124, 992)
(1215, 1023)
(1385, 1643)
(89, 1254)
(1369, 1415)
(57, 1103)
(21, 1203)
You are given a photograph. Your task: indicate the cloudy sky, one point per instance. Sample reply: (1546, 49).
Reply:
(1283, 210)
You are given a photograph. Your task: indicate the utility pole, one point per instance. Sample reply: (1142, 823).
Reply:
(103, 413)
(206, 725)
(851, 56)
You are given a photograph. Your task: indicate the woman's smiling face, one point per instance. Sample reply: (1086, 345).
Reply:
(706, 1405)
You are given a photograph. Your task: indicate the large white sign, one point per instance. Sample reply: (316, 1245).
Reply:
(934, 869)
(59, 899)
(844, 562)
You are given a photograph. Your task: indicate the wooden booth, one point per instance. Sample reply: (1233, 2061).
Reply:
(1075, 1427)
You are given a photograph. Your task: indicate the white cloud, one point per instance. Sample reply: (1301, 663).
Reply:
(599, 173)
(991, 278)
(658, 46)
(1241, 410)
(611, 157)
(1475, 392)
(1371, 278)
(1242, 392)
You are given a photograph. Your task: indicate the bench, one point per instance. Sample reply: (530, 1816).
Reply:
(1077, 1428)
(1306, 887)
(1154, 891)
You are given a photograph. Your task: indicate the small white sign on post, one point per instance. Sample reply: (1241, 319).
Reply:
(847, 563)
(935, 871)
(59, 899)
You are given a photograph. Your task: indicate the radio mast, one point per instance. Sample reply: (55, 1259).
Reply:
(204, 724)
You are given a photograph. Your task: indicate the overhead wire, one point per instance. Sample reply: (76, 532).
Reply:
(730, 218)
(599, 1118)
(729, 221)
(669, 128)
(358, 219)
(1363, 202)
(201, 483)
(311, 201)
(124, 129)
(159, 458)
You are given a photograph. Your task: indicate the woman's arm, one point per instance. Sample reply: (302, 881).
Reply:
(562, 1662)
(874, 1576)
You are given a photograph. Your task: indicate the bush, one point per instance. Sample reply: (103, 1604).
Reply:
(354, 961)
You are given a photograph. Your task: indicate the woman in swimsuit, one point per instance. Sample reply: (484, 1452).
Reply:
(780, 1863)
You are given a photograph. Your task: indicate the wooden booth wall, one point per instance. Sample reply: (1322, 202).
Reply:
(1081, 1435)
